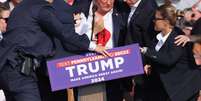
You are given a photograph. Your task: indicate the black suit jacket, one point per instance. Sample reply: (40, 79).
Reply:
(64, 13)
(141, 27)
(31, 27)
(176, 67)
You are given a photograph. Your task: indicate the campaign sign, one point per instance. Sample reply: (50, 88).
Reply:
(92, 68)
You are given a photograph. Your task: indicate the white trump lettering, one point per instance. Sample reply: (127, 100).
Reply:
(95, 67)
(82, 69)
(70, 69)
(107, 64)
(118, 61)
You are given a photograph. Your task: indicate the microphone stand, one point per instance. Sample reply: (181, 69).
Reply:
(94, 8)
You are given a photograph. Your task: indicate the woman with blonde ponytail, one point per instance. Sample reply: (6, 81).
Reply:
(172, 67)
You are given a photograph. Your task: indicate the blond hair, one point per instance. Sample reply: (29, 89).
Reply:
(168, 12)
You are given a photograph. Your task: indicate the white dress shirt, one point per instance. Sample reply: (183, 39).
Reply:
(2, 96)
(161, 40)
(11, 5)
(133, 8)
(1, 36)
(108, 24)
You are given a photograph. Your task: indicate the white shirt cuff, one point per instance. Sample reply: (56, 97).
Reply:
(92, 46)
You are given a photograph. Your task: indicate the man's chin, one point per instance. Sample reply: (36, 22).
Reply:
(107, 9)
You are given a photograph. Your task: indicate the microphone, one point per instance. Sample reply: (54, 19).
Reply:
(94, 9)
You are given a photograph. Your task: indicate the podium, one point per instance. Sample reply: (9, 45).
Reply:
(95, 92)
(93, 70)
(70, 95)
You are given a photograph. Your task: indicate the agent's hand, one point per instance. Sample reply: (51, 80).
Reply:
(143, 50)
(197, 49)
(181, 40)
(102, 50)
(77, 19)
(147, 69)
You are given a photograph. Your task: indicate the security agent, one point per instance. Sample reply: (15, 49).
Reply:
(31, 27)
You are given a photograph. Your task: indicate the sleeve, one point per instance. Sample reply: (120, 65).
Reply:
(168, 57)
(67, 35)
(148, 31)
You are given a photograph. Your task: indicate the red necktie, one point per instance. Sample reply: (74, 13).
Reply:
(70, 2)
(103, 37)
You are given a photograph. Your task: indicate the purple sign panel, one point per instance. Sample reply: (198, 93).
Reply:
(92, 68)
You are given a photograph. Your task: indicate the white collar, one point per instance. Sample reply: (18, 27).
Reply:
(161, 37)
(136, 4)
(108, 13)
(11, 6)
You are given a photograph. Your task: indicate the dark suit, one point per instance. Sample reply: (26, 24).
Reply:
(31, 28)
(176, 68)
(141, 27)
(64, 13)
(140, 30)
(114, 90)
